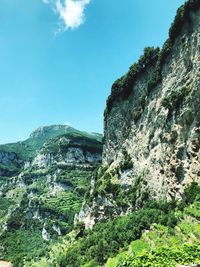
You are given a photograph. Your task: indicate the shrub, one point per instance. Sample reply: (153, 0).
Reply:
(123, 86)
(191, 192)
(175, 98)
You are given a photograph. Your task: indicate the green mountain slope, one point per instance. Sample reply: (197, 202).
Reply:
(161, 234)
(27, 150)
(43, 134)
(40, 196)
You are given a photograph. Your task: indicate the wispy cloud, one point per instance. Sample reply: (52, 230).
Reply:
(46, 1)
(71, 12)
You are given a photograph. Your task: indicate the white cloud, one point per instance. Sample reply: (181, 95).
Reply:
(71, 12)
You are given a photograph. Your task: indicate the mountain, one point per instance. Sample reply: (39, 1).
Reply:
(13, 156)
(42, 183)
(152, 126)
(142, 208)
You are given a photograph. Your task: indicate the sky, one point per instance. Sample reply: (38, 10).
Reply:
(59, 58)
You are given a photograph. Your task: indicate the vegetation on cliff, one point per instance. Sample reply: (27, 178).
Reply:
(153, 235)
(153, 58)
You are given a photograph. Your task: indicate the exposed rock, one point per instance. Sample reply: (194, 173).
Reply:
(73, 155)
(45, 234)
(154, 134)
(6, 264)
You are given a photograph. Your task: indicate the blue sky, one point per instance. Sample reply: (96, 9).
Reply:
(58, 62)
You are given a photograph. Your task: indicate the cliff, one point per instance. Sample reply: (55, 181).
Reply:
(152, 126)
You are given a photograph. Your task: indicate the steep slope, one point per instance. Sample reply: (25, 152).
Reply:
(160, 234)
(152, 126)
(38, 202)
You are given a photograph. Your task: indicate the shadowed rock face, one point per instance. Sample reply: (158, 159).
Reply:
(7, 161)
(152, 137)
(7, 157)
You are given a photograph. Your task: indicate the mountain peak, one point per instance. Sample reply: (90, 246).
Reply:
(45, 130)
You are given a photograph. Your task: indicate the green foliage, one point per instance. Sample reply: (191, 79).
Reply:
(168, 226)
(194, 210)
(164, 256)
(63, 142)
(92, 263)
(21, 243)
(74, 177)
(175, 98)
(49, 197)
(191, 192)
(136, 113)
(165, 51)
(107, 185)
(56, 209)
(127, 163)
(182, 17)
(139, 246)
(10, 169)
(107, 238)
(5, 203)
(65, 205)
(123, 86)
(167, 245)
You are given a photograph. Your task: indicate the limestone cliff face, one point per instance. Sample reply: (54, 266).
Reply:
(152, 137)
(72, 156)
(164, 141)
(63, 150)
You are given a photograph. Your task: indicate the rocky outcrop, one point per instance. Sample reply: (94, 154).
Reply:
(72, 156)
(152, 126)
